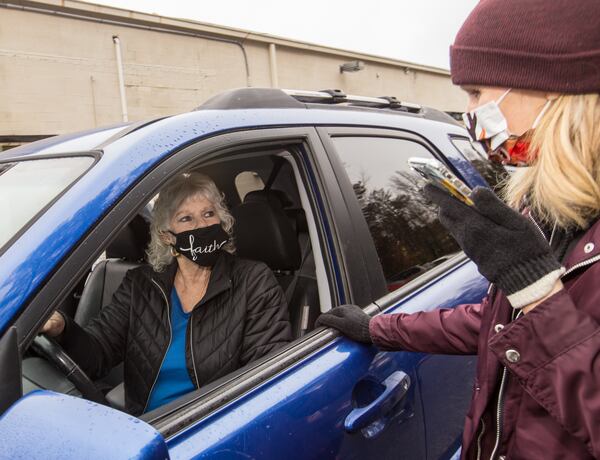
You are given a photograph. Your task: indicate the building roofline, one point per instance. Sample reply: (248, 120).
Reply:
(98, 11)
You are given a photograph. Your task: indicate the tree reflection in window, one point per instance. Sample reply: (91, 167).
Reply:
(406, 231)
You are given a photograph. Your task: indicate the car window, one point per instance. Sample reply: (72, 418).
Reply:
(407, 234)
(283, 212)
(26, 187)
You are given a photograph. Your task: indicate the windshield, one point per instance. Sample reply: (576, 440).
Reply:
(26, 187)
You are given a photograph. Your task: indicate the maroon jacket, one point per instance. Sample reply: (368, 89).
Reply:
(550, 403)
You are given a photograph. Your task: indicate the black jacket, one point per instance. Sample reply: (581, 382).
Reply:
(242, 316)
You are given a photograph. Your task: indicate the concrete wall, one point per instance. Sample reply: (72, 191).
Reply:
(58, 72)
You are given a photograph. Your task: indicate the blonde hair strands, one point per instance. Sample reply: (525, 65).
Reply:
(562, 184)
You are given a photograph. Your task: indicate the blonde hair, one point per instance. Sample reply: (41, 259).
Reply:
(562, 185)
(169, 199)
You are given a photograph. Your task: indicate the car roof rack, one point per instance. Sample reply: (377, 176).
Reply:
(336, 96)
(272, 98)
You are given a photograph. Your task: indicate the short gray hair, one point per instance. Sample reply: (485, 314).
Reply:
(169, 199)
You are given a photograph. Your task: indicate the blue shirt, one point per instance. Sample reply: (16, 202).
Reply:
(173, 377)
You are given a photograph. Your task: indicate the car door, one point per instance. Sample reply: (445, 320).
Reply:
(409, 241)
(322, 396)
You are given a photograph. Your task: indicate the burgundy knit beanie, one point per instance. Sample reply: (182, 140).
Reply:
(545, 45)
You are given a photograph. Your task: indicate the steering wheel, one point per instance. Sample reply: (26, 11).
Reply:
(53, 352)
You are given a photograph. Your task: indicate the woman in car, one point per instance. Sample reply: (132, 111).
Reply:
(195, 314)
(532, 73)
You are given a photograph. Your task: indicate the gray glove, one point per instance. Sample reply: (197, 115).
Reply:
(505, 245)
(350, 320)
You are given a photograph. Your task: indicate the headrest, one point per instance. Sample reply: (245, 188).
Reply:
(131, 242)
(264, 232)
(278, 198)
(273, 197)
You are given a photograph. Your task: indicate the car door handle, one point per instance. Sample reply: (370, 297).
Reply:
(396, 387)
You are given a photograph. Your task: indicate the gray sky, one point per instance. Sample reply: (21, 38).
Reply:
(418, 31)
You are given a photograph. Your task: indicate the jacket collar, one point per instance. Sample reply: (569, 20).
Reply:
(586, 248)
(220, 277)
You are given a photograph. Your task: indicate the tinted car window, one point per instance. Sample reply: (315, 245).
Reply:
(407, 234)
(26, 187)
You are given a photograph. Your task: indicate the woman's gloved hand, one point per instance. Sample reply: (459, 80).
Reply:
(508, 249)
(350, 320)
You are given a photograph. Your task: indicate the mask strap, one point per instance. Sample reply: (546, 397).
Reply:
(537, 120)
(501, 98)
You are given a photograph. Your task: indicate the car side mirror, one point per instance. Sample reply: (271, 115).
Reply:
(44, 424)
(11, 385)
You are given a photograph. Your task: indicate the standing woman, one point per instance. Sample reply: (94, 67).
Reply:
(531, 69)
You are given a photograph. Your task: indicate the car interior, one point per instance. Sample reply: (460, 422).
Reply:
(273, 224)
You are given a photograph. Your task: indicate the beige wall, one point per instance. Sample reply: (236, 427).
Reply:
(299, 69)
(59, 74)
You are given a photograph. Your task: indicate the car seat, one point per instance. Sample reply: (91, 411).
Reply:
(124, 253)
(266, 231)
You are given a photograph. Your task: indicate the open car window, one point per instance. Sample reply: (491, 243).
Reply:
(303, 281)
(26, 187)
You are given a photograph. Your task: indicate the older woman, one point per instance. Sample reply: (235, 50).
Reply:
(195, 314)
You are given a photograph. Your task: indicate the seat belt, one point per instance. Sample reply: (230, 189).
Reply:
(292, 286)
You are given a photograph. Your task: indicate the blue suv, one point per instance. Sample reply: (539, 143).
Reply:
(75, 214)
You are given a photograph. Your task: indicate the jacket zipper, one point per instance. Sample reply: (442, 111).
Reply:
(536, 224)
(192, 349)
(582, 264)
(574, 267)
(500, 406)
(540, 229)
(479, 439)
(170, 339)
(499, 409)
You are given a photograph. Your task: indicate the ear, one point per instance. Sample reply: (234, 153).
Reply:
(166, 238)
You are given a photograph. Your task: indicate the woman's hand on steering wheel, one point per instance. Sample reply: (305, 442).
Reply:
(54, 326)
(53, 352)
(46, 347)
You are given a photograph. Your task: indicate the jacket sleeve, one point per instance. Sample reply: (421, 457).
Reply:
(267, 326)
(100, 346)
(558, 364)
(445, 330)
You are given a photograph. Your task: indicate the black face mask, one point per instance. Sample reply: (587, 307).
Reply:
(201, 245)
